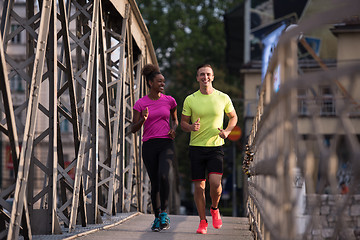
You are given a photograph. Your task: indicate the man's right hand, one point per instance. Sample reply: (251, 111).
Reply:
(196, 125)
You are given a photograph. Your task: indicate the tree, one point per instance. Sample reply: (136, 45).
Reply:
(186, 33)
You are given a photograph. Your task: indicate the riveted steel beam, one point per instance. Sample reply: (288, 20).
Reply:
(78, 80)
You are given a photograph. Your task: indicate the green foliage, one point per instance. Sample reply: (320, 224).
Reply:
(186, 33)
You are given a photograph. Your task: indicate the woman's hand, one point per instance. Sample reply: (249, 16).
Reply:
(172, 133)
(145, 113)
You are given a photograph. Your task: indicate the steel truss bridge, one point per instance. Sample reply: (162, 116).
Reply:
(81, 66)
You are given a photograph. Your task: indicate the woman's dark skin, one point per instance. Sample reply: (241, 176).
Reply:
(157, 85)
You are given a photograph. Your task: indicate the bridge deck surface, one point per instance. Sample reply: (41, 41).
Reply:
(182, 227)
(135, 225)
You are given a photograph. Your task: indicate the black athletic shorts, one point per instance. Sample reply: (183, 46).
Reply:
(204, 159)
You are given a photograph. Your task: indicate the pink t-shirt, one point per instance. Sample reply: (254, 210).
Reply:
(157, 124)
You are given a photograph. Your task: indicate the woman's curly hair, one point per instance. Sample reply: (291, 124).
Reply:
(150, 71)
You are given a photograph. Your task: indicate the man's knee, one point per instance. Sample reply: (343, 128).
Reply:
(216, 187)
(199, 186)
(215, 180)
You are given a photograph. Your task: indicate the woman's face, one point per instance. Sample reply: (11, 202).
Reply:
(158, 83)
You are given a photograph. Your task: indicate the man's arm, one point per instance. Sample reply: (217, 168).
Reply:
(186, 126)
(224, 133)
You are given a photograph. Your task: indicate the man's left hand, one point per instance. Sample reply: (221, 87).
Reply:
(223, 134)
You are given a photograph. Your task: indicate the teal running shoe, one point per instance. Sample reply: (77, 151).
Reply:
(164, 221)
(156, 225)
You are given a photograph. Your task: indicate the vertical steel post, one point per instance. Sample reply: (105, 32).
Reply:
(78, 186)
(26, 153)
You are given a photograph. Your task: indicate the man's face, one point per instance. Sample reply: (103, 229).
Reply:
(205, 76)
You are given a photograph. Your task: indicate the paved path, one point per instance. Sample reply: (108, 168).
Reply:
(182, 227)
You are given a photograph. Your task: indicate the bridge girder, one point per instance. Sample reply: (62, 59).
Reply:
(81, 70)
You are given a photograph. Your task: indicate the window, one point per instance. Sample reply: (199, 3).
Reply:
(64, 126)
(327, 101)
(17, 38)
(258, 88)
(302, 102)
(17, 84)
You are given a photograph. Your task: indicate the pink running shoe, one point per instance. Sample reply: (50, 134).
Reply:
(216, 219)
(202, 227)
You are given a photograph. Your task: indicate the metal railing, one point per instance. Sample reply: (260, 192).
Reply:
(295, 163)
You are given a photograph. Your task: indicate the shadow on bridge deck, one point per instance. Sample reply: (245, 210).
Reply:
(137, 226)
(182, 227)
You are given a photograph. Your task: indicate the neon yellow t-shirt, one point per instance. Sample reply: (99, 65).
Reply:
(210, 109)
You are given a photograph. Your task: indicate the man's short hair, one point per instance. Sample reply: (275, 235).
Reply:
(204, 65)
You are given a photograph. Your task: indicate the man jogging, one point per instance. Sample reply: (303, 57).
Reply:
(203, 116)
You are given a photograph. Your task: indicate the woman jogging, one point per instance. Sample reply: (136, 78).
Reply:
(157, 113)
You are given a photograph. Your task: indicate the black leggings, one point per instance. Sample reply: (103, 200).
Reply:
(158, 155)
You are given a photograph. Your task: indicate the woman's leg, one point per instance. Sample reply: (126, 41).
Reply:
(150, 158)
(165, 163)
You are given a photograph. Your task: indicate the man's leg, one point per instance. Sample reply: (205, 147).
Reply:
(215, 193)
(215, 189)
(199, 197)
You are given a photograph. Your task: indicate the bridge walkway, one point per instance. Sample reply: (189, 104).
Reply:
(137, 227)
